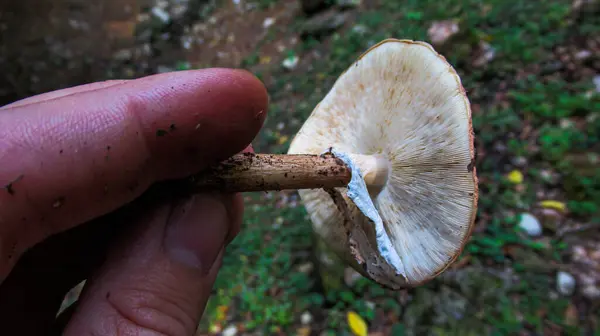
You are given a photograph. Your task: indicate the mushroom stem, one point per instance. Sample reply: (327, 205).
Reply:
(375, 170)
(265, 172)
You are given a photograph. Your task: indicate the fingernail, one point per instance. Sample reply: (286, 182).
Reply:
(196, 231)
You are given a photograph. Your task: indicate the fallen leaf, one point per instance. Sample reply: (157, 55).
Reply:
(358, 326)
(303, 331)
(265, 59)
(556, 205)
(515, 177)
(571, 315)
(283, 139)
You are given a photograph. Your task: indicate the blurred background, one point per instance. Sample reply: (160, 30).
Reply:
(531, 70)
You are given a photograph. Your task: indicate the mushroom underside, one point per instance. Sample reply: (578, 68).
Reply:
(401, 110)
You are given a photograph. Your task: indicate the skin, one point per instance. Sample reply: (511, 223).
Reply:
(84, 194)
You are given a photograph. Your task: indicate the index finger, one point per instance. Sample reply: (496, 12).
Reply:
(67, 160)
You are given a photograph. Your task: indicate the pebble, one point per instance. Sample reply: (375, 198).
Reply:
(306, 268)
(591, 292)
(565, 283)
(440, 31)
(530, 224)
(123, 55)
(230, 331)
(268, 22)
(306, 318)
(349, 3)
(161, 14)
(519, 161)
(360, 29)
(290, 63)
(164, 69)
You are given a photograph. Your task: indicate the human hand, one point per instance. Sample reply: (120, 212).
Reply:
(75, 167)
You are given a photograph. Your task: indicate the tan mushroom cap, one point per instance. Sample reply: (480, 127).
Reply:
(400, 107)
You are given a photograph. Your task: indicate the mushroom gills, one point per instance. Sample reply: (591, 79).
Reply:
(375, 169)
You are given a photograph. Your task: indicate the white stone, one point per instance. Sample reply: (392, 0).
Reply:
(290, 63)
(565, 283)
(306, 318)
(268, 22)
(161, 14)
(591, 292)
(164, 69)
(530, 224)
(230, 331)
(597, 83)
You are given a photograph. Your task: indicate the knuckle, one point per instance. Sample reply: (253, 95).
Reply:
(151, 312)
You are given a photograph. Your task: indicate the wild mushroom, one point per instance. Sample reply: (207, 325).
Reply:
(384, 165)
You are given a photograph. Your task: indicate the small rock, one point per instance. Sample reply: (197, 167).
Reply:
(530, 224)
(486, 54)
(360, 29)
(597, 83)
(164, 69)
(439, 32)
(291, 62)
(591, 292)
(325, 22)
(186, 42)
(583, 54)
(123, 55)
(178, 11)
(306, 318)
(306, 268)
(565, 283)
(349, 3)
(230, 331)
(268, 22)
(161, 14)
(519, 161)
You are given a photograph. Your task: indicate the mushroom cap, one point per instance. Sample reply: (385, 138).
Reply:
(403, 102)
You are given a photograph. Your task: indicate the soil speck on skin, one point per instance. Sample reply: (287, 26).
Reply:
(59, 202)
(60, 151)
(107, 148)
(172, 127)
(133, 186)
(10, 186)
(161, 132)
(108, 295)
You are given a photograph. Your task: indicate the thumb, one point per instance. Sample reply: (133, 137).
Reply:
(158, 280)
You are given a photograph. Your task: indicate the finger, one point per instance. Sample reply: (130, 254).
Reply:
(35, 288)
(74, 158)
(62, 93)
(159, 279)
